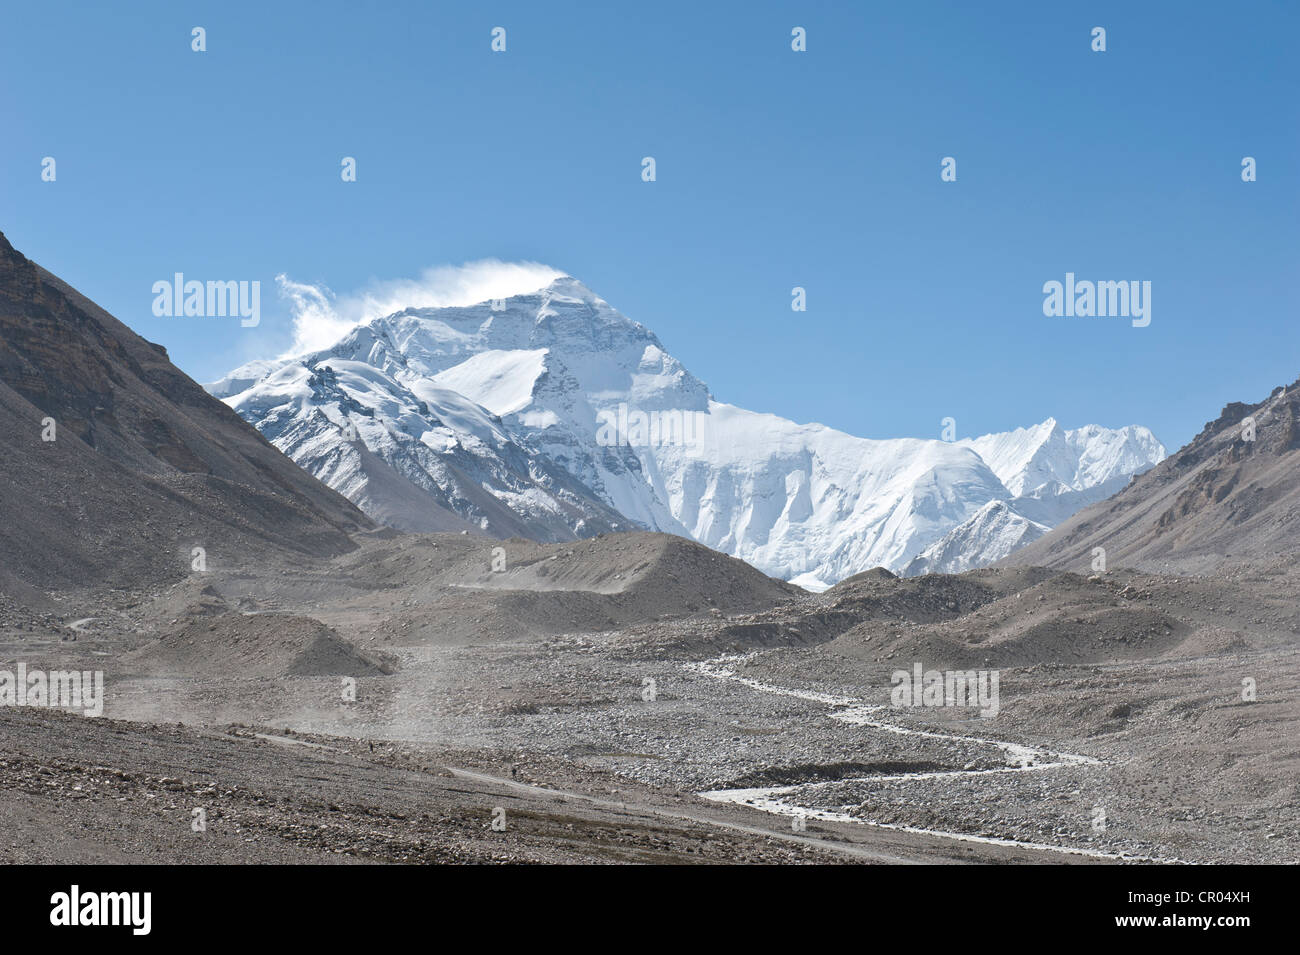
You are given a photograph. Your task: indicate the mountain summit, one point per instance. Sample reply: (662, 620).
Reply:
(553, 415)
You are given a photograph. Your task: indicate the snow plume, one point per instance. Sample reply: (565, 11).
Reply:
(321, 318)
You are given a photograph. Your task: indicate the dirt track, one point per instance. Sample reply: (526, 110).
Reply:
(102, 791)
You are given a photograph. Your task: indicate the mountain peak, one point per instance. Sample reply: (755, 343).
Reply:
(578, 385)
(570, 287)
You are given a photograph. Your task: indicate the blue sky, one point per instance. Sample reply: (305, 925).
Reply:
(775, 169)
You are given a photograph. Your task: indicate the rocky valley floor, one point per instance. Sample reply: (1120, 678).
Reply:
(637, 698)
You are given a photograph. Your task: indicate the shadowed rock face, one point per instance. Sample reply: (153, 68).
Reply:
(1232, 494)
(145, 464)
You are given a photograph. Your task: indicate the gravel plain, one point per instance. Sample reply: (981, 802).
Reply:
(639, 699)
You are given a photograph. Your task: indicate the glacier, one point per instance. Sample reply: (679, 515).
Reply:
(496, 418)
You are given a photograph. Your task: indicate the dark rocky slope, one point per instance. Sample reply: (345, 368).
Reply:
(1221, 499)
(146, 464)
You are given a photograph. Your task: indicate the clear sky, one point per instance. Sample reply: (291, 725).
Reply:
(775, 169)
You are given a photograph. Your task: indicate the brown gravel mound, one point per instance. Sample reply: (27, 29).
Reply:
(250, 646)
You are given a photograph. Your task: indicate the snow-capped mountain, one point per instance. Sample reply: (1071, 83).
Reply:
(1052, 473)
(415, 455)
(552, 414)
(990, 534)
